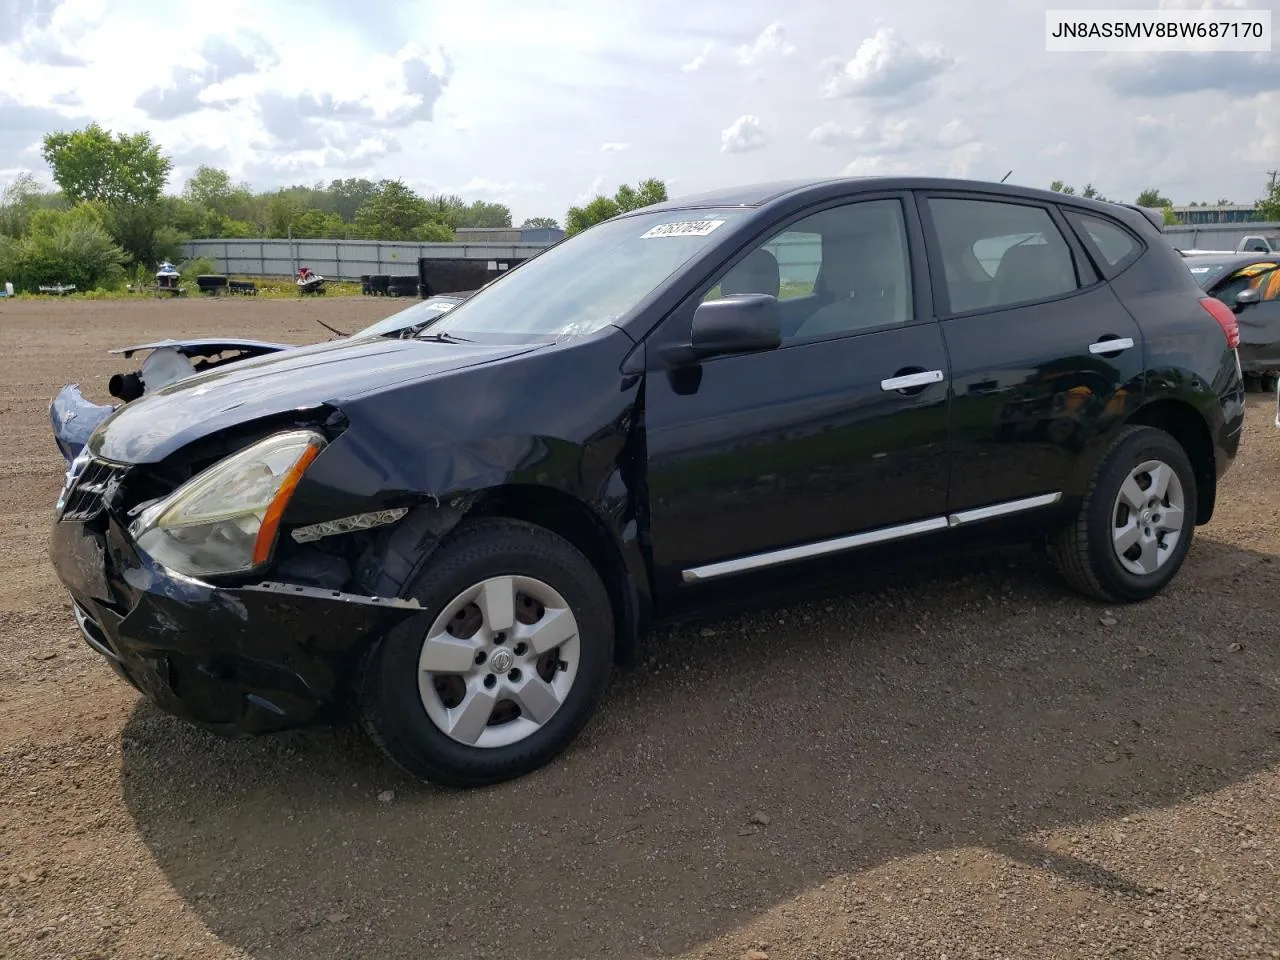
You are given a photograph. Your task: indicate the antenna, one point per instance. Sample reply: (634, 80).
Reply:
(1006, 176)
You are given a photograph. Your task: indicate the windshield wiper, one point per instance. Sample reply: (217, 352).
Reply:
(441, 338)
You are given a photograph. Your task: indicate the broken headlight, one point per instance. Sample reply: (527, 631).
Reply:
(225, 519)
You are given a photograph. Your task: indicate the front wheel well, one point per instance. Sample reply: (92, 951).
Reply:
(571, 519)
(1185, 424)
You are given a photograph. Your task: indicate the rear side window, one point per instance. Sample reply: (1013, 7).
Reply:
(1112, 242)
(997, 254)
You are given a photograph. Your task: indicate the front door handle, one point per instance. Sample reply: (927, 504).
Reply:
(907, 381)
(1113, 345)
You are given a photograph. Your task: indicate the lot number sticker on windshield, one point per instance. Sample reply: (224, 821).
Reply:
(682, 228)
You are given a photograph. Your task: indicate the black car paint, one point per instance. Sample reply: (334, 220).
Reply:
(607, 440)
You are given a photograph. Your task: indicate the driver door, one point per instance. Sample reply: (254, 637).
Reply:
(836, 439)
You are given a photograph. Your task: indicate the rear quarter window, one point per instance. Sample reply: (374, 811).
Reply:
(1113, 245)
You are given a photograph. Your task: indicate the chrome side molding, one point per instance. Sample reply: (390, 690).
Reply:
(805, 551)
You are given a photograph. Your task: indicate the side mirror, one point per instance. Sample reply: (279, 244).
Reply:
(739, 323)
(1248, 296)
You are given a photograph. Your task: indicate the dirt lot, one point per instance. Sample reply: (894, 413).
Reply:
(963, 763)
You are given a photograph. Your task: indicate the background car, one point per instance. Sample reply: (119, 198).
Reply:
(73, 417)
(1249, 283)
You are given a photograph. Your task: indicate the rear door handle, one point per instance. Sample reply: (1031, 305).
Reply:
(1114, 345)
(922, 379)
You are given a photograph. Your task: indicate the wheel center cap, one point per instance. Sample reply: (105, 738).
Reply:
(501, 661)
(1146, 516)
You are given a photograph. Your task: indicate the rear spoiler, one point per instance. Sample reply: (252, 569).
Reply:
(1154, 214)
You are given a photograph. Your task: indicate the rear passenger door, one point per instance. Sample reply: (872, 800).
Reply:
(1044, 358)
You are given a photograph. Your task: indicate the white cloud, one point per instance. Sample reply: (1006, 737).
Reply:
(878, 166)
(591, 192)
(956, 133)
(832, 134)
(613, 147)
(772, 39)
(442, 90)
(482, 187)
(964, 159)
(700, 61)
(885, 65)
(744, 134)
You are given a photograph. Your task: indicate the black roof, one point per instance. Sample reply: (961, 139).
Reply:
(758, 194)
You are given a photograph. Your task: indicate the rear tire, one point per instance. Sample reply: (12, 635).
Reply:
(1122, 546)
(482, 696)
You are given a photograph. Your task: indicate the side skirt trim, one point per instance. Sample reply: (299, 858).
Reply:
(772, 558)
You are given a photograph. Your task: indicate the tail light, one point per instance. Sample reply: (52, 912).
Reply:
(1226, 319)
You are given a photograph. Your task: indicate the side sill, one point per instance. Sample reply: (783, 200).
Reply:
(760, 561)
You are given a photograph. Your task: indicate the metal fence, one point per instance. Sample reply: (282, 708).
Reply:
(350, 259)
(1218, 236)
(343, 259)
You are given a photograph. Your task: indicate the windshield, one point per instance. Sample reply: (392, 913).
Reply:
(422, 312)
(586, 282)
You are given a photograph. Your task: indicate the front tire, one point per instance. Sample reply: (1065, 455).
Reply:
(513, 663)
(1135, 524)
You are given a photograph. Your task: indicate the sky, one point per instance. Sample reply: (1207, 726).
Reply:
(543, 104)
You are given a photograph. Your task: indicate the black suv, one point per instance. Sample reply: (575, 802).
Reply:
(454, 537)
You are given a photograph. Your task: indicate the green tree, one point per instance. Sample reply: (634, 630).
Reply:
(144, 232)
(534, 223)
(395, 212)
(64, 246)
(18, 202)
(644, 194)
(1269, 205)
(626, 199)
(210, 187)
(1151, 197)
(597, 211)
(317, 225)
(92, 164)
(1059, 187)
(350, 195)
(482, 213)
(282, 212)
(447, 208)
(433, 231)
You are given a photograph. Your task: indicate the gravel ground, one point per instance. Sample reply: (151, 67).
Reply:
(964, 762)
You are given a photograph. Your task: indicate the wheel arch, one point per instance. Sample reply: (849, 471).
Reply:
(405, 548)
(1187, 426)
(568, 517)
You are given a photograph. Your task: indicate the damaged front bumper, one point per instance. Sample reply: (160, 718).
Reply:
(74, 418)
(235, 660)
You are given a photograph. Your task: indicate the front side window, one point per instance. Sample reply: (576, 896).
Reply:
(996, 254)
(837, 272)
(583, 284)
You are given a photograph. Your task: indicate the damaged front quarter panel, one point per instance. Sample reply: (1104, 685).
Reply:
(555, 427)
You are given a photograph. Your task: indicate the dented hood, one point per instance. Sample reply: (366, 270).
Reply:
(152, 427)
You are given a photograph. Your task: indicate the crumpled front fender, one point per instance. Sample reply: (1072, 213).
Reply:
(74, 418)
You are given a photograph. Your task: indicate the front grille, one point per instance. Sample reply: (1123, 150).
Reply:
(85, 496)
